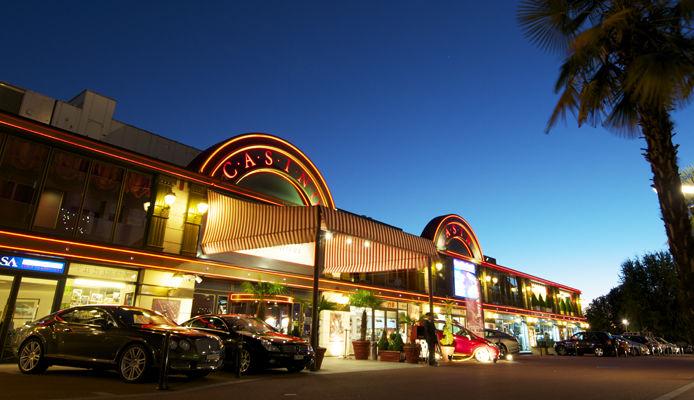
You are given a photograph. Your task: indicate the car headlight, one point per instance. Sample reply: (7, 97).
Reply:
(173, 344)
(269, 346)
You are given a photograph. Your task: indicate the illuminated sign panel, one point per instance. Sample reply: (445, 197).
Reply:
(465, 280)
(31, 264)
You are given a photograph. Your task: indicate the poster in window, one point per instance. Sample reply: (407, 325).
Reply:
(167, 307)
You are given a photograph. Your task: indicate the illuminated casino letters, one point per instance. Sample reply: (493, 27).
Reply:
(244, 157)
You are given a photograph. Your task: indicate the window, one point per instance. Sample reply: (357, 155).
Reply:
(209, 323)
(21, 169)
(85, 316)
(132, 216)
(99, 211)
(61, 198)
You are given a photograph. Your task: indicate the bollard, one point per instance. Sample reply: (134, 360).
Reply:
(164, 365)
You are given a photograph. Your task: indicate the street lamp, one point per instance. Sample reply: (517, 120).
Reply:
(626, 324)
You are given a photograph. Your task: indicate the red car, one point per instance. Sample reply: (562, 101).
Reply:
(467, 344)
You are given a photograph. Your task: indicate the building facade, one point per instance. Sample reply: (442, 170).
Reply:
(95, 211)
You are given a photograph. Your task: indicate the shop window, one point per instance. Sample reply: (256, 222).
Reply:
(21, 169)
(61, 198)
(132, 217)
(94, 284)
(99, 211)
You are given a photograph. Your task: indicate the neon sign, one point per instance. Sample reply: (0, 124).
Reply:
(452, 234)
(32, 264)
(242, 157)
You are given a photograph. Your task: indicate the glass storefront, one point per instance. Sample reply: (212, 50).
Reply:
(95, 284)
(170, 293)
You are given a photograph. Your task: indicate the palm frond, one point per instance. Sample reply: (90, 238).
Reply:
(623, 118)
(546, 23)
(568, 102)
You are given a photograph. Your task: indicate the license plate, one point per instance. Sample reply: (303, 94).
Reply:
(298, 357)
(213, 357)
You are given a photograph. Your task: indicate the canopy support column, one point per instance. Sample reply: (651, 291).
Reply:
(318, 261)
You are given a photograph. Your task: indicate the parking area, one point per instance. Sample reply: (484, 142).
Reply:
(586, 377)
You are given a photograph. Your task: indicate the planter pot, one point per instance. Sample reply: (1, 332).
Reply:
(447, 353)
(389, 355)
(320, 353)
(361, 349)
(411, 353)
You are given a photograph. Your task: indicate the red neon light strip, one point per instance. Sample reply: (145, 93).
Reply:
(497, 307)
(524, 275)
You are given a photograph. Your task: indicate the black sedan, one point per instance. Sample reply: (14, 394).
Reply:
(127, 339)
(261, 346)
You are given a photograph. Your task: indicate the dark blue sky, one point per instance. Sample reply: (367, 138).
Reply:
(410, 110)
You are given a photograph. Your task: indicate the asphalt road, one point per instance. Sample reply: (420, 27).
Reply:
(532, 377)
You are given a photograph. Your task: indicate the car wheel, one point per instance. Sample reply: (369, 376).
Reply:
(502, 350)
(245, 361)
(599, 352)
(483, 355)
(31, 357)
(561, 350)
(296, 367)
(134, 364)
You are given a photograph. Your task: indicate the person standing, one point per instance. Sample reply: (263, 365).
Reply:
(430, 337)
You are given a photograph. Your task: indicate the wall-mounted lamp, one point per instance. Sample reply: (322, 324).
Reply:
(202, 207)
(328, 235)
(438, 266)
(145, 205)
(169, 198)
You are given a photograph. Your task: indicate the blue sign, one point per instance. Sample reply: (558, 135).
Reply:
(31, 264)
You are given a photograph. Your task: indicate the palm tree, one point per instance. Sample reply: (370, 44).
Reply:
(628, 64)
(263, 290)
(366, 299)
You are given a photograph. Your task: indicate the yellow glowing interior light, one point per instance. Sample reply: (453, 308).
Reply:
(145, 205)
(487, 278)
(202, 207)
(439, 266)
(495, 280)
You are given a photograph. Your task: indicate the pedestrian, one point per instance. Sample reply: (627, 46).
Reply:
(430, 337)
(545, 336)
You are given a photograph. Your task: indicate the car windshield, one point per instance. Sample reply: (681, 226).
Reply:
(139, 317)
(252, 325)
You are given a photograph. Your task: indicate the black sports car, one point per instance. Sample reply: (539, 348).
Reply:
(128, 339)
(261, 346)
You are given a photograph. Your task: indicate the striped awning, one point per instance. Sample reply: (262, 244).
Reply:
(234, 224)
(353, 243)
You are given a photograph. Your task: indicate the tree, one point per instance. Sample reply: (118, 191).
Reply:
(605, 312)
(263, 290)
(628, 64)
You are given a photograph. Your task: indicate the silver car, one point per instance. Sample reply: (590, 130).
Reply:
(507, 344)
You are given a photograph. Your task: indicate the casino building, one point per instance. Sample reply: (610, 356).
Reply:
(94, 211)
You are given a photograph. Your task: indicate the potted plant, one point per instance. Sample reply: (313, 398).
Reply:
(411, 348)
(262, 290)
(447, 342)
(364, 299)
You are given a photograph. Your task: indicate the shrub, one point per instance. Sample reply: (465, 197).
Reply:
(396, 342)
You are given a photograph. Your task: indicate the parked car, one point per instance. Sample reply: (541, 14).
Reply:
(598, 343)
(668, 348)
(507, 344)
(262, 346)
(630, 347)
(467, 344)
(652, 345)
(128, 339)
